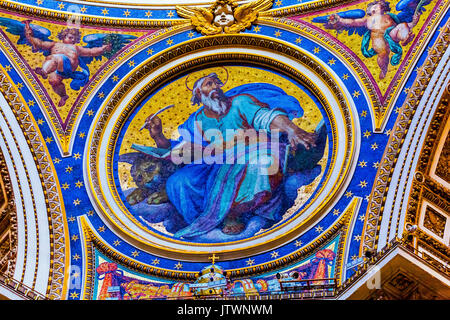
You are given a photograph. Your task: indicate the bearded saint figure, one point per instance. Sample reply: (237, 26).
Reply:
(220, 195)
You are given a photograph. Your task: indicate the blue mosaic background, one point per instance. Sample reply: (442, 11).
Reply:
(70, 169)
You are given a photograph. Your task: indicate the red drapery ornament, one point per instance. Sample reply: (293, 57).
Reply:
(324, 257)
(107, 269)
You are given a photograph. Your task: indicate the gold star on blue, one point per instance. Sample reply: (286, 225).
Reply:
(78, 184)
(274, 254)
(363, 184)
(356, 94)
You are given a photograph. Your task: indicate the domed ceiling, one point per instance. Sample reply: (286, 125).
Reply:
(100, 97)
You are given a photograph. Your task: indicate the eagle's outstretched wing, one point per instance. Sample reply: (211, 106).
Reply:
(246, 14)
(200, 18)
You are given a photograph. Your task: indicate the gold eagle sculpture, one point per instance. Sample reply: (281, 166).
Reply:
(224, 16)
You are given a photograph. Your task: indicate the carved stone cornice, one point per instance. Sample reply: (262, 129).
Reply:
(424, 187)
(8, 219)
(19, 288)
(396, 140)
(49, 184)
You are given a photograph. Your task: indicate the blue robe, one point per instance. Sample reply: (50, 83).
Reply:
(205, 193)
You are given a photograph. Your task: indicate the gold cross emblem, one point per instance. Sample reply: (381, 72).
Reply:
(213, 258)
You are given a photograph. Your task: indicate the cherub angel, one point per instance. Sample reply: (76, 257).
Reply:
(224, 16)
(65, 59)
(388, 32)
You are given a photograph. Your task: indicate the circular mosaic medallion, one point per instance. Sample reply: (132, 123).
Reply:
(225, 152)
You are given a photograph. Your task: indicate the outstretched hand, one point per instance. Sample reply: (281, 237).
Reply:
(299, 136)
(107, 47)
(28, 30)
(334, 21)
(154, 126)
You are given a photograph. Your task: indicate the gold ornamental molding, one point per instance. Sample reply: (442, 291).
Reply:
(59, 259)
(202, 44)
(92, 242)
(424, 186)
(8, 217)
(19, 288)
(396, 140)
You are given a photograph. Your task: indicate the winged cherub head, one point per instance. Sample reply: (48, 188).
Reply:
(378, 7)
(70, 36)
(223, 13)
